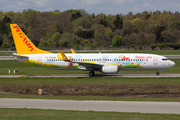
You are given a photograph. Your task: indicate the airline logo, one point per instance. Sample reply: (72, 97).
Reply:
(143, 57)
(123, 57)
(25, 39)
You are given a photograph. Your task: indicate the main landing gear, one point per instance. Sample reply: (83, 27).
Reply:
(92, 73)
(157, 73)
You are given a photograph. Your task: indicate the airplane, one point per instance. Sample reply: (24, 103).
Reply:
(106, 63)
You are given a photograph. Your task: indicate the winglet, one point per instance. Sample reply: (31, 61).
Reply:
(64, 57)
(72, 51)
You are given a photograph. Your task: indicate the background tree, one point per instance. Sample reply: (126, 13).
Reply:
(44, 44)
(103, 22)
(117, 41)
(55, 39)
(153, 46)
(76, 25)
(64, 41)
(118, 22)
(175, 24)
(137, 23)
(75, 15)
(158, 31)
(4, 25)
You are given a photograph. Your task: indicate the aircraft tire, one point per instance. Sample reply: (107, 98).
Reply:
(91, 73)
(157, 73)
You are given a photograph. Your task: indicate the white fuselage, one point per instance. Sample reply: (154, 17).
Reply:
(123, 61)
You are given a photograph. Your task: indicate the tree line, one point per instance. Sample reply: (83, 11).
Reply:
(80, 30)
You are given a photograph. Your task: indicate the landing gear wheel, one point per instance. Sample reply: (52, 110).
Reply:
(157, 73)
(91, 73)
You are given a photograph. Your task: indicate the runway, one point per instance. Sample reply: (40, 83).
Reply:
(7, 58)
(109, 106)
(168, 56)
(97, 75)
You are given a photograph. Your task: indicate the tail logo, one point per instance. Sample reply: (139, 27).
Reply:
(24, 38)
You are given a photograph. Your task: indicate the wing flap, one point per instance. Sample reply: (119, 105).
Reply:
(89, 65)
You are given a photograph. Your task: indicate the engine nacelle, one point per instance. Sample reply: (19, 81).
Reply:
(109, 69)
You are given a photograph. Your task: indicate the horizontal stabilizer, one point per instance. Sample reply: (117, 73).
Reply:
(22, 56)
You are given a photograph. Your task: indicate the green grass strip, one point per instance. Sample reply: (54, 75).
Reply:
(89, 81)
(38, 114)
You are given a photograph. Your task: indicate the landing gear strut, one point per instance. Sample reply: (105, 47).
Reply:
(92, 73)
(157, 73)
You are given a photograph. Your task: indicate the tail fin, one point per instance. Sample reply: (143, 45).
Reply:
(23, 43)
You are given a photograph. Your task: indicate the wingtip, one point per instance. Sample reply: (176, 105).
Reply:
(72, 51)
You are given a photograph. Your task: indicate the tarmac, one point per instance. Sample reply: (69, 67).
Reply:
(97, 75)
(108, 106)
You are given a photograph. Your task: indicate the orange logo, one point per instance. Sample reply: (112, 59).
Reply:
(25, 40)
(123, 57)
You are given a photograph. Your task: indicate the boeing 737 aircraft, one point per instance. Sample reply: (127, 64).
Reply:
(110, 63)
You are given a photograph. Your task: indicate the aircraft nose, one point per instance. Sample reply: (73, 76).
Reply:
(172, 63)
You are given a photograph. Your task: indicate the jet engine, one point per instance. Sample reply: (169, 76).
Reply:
(109, 69)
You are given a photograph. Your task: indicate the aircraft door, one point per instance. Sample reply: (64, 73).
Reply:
(39, 60)
(155, 60)
(104, 60)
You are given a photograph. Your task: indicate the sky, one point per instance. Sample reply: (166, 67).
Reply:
(92, 6)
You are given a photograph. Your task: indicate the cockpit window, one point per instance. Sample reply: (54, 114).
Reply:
(165, 59)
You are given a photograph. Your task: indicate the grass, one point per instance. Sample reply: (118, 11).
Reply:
(100, 81)
(92, 88)
(6, 53)
(90, 81)
(24, 69)
(39, 114)
(105, 98)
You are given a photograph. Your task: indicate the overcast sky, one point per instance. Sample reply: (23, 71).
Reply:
(92, 6)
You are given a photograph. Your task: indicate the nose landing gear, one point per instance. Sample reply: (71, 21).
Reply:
(157, 73)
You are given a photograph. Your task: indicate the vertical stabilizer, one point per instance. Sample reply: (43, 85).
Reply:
(23, 43)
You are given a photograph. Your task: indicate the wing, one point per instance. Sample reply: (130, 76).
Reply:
(64, 57)
(89, 64)
(72, 51)
(86, 64)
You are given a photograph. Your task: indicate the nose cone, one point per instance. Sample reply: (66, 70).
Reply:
(172, 63)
